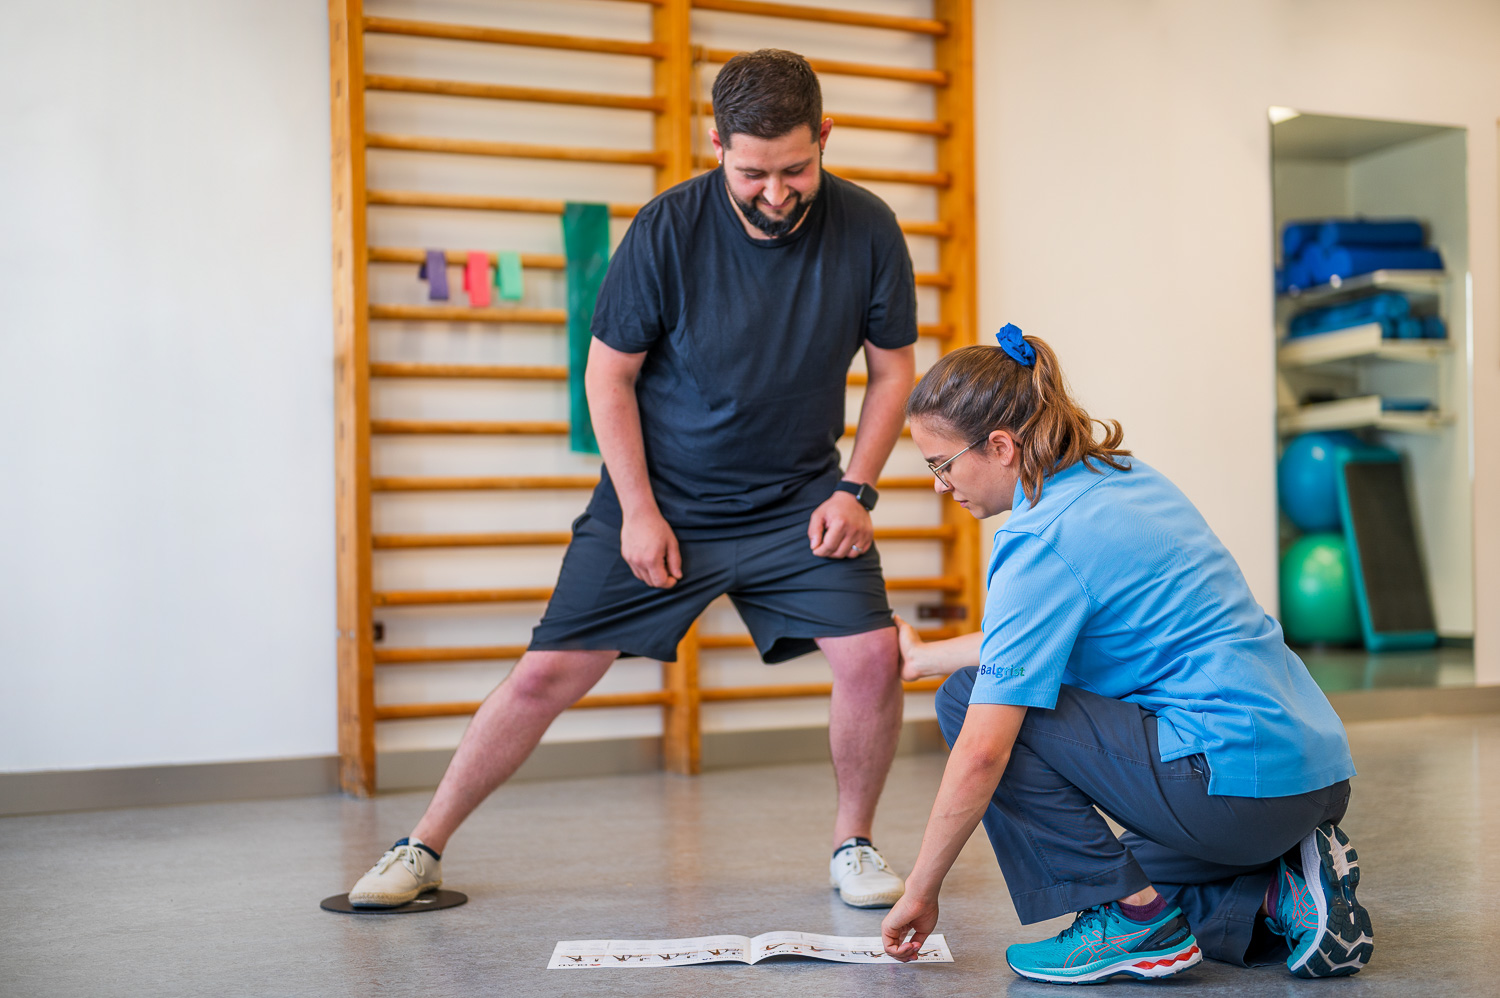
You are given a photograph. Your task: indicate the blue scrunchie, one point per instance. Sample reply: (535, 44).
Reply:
(1011, 342)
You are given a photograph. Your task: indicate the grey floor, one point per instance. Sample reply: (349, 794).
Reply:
(223, 899)
(1339, 669)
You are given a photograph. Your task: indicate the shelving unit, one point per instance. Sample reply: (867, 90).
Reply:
(1344, 358)
(1358, 413)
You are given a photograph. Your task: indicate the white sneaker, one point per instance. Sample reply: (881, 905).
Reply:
(407, 870)
(862, 876)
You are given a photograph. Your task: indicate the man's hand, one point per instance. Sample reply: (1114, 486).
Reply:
(914, 913)
(650, 549)
(840, 528)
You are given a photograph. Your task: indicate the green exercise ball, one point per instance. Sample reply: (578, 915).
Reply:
(1317, 592)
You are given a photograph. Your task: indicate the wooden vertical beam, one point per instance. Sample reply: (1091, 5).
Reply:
(954, 54)
(356, 657)
(681, 728)
(672, 29)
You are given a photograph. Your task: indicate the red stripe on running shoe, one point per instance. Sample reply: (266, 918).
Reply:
(1152, 964)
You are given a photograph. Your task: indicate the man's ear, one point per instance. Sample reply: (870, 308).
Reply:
(823, 130)
(713, 136)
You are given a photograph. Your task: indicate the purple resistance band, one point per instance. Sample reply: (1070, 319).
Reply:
(435, 272)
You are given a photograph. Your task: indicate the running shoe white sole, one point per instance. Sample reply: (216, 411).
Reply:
(1345, 940)
(1142, 966)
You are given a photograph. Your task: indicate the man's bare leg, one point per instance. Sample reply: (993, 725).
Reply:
(864, 723)
(505, 730)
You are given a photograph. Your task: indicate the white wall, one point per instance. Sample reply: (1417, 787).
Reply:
(1126, 216)
(166, 512)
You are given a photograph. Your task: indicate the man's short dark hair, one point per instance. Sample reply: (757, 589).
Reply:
(767, 94)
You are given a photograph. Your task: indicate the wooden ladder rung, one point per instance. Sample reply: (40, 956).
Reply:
(503, 372)
(463, 313)
(505, 36)
(916, 126)
(513, 150)
(428, 656)
(482, 202)
(936, 583)
(388, 542)
(458, 258)
(938, 230)
(936, 77)
(453, 597)
(415, 711)
(482, 483)
(454, 427)
(797, 12)
(493, 91)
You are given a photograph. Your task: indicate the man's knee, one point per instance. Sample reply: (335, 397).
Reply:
(553, 680)
(871, 655)
(952, 702)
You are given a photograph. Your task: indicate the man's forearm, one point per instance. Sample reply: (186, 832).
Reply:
(617, 426)
(881, 417)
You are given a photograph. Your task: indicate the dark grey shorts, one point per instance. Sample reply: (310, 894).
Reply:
(786, 595)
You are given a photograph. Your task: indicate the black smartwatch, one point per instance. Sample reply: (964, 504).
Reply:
(866, 494)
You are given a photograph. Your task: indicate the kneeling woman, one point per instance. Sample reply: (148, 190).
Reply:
(1123, 665)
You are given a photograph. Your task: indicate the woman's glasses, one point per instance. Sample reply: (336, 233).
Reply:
(937, 469)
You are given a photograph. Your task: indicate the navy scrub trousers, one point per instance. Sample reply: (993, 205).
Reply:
(1212, 855)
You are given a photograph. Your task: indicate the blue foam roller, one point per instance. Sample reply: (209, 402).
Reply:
(1434, 328)
(1295, 235)
(1408, 327)
(1404, 232)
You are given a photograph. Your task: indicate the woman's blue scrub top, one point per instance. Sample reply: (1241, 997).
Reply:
(1114, 583)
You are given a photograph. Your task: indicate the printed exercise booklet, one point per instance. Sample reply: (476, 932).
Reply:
(733, 949)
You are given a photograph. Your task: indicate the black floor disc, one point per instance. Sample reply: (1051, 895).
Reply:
(431, 901)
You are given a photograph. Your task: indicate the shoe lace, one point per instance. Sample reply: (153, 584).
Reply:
(409, 856)
(1084, 922)
(859, 855)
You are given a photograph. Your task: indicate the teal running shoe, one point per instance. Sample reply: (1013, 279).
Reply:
(1102, 943)
(1328, 931)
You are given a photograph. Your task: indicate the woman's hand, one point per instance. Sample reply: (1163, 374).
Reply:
(912, 647)
(916, 914)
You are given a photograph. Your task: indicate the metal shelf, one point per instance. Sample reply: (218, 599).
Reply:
(1412, 282)
(1356, 342)
(1357, 413)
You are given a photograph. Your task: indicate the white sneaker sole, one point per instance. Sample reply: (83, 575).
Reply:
(1137, 966)
(372, 900)
(882, 899)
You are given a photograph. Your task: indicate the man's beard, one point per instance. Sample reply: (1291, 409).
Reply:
(773, 227)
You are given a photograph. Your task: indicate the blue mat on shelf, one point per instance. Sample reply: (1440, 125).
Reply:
(1388, 305)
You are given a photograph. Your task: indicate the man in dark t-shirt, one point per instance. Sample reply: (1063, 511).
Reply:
(723, 337)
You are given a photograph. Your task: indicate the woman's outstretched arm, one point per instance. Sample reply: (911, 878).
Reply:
(974, 769)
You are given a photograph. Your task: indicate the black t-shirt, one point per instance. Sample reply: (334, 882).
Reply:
(748, 347)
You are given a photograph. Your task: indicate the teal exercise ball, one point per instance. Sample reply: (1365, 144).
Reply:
(1306, 479)
(1317, 592)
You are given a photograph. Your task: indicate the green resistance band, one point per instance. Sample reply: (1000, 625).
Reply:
(586, 242)
(508, 277)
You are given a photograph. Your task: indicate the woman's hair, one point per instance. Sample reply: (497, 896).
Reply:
(976, 390)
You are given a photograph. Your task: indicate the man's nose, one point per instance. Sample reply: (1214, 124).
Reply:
(776, 192)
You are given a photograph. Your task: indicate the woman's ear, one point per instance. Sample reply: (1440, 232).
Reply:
(1003, 448)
